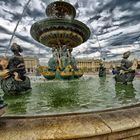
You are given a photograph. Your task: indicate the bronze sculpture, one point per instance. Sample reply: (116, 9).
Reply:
(61, 32)
(12, 74)
(125, 73)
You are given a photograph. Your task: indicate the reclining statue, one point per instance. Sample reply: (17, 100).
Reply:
(126, 71)
(12, 73)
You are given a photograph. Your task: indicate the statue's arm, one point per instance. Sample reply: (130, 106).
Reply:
(123, 63)
(123, 68)
(15, 70)
(4, 74)
(13, 67)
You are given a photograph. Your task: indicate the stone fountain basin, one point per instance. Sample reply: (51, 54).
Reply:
(110, 124)
(121, 122)
(2, 110)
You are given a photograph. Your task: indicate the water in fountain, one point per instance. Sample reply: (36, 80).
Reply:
(81, 95)
(87, 94)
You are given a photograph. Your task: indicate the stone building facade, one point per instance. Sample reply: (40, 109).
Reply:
(31, 64)
(92, 65)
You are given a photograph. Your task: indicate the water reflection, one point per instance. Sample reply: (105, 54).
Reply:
(125, 93)
(63, 95)
(102, 80)
(16, 104)
(102, 84)
(52, 97)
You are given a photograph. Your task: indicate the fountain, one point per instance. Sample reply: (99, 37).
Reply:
(62, 33)
(86, 108)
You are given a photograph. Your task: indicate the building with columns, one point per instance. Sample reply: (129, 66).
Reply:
(88, 65)
(92, 65)
(31, 64)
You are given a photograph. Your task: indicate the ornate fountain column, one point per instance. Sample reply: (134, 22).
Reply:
(61, 32)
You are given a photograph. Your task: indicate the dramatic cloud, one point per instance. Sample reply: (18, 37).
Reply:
(114, 26)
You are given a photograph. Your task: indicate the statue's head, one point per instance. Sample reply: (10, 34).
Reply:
(16, 48)
(4, 61)
(126, 54)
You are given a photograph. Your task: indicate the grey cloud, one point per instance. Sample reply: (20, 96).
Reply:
(15, 16)
(130, 20)
(35, 13)
(3, 30)
(101, 18)
(124, 39)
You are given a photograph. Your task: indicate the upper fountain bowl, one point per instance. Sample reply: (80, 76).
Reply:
(56, 33)
(60, 9)
(60, 29)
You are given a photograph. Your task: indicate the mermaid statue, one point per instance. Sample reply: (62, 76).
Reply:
(12, 73)
(125, 73)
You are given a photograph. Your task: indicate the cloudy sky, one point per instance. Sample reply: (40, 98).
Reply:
(114, 25)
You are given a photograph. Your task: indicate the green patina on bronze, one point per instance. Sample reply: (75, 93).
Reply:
(60, 28)
(51, 31)
(60, 10)
(61, 32)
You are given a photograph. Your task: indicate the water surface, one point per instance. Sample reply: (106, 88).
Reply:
(86, 94)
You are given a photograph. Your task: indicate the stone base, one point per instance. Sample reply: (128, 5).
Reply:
(2, 110)
(122, 123)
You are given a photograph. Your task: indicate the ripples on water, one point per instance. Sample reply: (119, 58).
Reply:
(85, 94)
